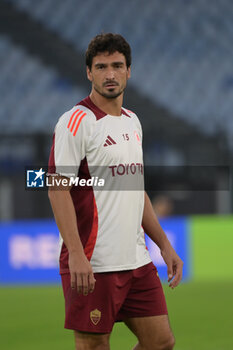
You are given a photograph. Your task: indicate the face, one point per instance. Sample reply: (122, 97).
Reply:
(109, 74)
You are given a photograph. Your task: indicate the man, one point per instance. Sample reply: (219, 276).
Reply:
(107, 274)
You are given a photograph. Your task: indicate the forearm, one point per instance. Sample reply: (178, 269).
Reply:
(64, 213)
(155, 232)
(151, 225)
(81, 273)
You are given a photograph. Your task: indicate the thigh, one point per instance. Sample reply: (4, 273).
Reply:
(91, 341)
(151, 330)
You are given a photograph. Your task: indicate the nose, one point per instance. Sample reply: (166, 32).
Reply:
(110, 75)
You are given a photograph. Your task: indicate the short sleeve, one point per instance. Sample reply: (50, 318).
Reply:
(139, 126)
(69, 144)
(136, 121)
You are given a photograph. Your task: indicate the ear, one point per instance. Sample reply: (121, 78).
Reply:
(89, 74)
(128, 72)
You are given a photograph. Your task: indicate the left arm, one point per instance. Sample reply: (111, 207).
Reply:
(153, 229)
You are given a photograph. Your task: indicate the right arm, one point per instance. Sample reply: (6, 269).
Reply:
(82, 277)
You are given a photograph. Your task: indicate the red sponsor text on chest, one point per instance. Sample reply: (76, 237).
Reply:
(126, 169)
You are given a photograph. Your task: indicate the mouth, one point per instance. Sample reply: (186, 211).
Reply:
(110, 85)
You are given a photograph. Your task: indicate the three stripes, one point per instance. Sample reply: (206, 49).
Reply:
(74, 124)
(75, 121)
(109, 141)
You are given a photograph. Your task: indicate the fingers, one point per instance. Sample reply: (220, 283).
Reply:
(83, 283)
(81, 274)
(79, 284)
(178, 268)
(92, 281)
(73, 280)
(170, 272)
(88, 284)
(176, 281)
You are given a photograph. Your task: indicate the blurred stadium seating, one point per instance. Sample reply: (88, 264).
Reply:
(182, 73)
(183, 50)
(32, 95)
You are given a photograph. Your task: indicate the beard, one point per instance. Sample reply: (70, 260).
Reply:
(111, 94)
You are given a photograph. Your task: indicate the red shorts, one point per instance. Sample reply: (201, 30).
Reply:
(117, 296)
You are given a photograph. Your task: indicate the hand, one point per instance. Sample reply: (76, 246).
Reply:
(82, 277)
(174, 266)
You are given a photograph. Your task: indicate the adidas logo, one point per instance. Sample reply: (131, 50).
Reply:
(109, 141)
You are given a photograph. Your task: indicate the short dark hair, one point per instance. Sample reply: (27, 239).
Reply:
(110, 43)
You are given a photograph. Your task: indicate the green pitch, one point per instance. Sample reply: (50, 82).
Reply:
(200, 315)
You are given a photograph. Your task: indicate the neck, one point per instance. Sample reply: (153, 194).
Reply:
(107, 105)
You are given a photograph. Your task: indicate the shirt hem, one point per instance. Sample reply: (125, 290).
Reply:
(121, 268)
(114, 268)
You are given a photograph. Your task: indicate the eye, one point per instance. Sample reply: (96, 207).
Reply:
(100, 67)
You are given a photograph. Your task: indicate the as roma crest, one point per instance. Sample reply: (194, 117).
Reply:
(95, 316)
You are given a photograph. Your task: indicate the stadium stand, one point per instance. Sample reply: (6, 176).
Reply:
(185, 63)
(37, 93)
(181, 72)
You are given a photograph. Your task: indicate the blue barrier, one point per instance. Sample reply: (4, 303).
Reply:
(178, 233)
(29, 250)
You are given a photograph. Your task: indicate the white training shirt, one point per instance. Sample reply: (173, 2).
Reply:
(90, 144)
